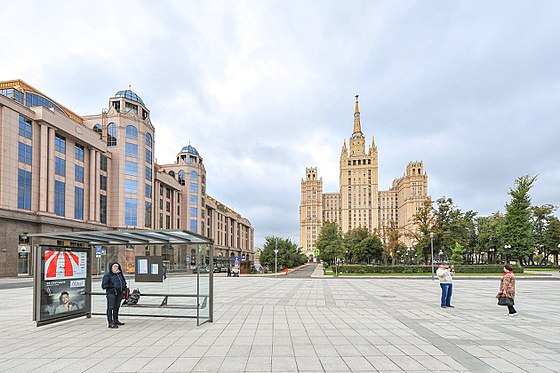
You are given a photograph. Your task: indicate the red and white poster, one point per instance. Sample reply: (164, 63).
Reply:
(64, 265)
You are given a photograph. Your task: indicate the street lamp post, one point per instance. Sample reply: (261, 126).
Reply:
(506, 248)
(276, 258)
(432, 246)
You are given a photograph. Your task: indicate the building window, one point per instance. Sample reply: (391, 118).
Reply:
(148, 215)
(103, 208)
(98, 129)
(59, 166)
(79, 152)
(167, 222)
(193, 187)
(112, 134)
(103, 182)
(149, 173)
(24, 153)
(193, 226)
(78, 203)
(130, 211)
(131, 150)
(60, 143)
(167, 206)
(128, 106)
(194, 176)
(167, 193)
(59, 197)
(24, 189)
(148, 156)
(131, 132)
(130, 186)
(131, 168)
(193, 199)
(193, 211)
(103, 165)
(25, 128)
(79, 171)
(148, 140)
(181, 177)
(148, 191)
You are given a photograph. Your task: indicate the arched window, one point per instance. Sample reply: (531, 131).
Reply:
(181, 177)
(97, 128)
(131, 132)
(194, 176)
(172, 174)
(148, 140)
(112, 134)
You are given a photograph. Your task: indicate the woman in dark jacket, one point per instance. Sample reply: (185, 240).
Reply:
(114, 284)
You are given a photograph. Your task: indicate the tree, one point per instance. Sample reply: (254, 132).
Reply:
(552, 238)
(289, 254)
(541, 216)
(369, 249)
(488, 236)
(351, 242)
(517, 229)
(329, 243)
(457, 254)
(424, 221)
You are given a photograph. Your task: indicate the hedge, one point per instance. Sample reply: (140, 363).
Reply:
(481, 268)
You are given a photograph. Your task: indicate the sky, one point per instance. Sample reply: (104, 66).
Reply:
(264, 89)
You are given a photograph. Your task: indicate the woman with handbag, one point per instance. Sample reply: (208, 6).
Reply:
(507, 290)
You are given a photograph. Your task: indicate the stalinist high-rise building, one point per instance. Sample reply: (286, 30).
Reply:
(360, 203)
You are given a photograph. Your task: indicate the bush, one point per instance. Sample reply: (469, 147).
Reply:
(480, 268)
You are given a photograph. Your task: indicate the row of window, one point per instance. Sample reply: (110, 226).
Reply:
(130, 131)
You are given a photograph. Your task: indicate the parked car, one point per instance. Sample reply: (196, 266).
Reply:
(219, 269)
(202, 270)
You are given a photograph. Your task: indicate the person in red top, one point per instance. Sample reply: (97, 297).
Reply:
(507, 288)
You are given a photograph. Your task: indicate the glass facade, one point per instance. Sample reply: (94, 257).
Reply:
(131, 132)
(131, 150)
(148, 191)
(112, 134)
(32, 99)
(79, 173)
(130, 211)
(25, 128)
(103, 182)
(103, 208)
(148, 156)
(13, 93)
(60, 143)
(59, 166)
(148, 173)
(193, 226)
(130, 186)
(79, 152)
(131, 168)
(148, 140)
(24, 153)
(59, 197)
(148, 215)
(78, 203)
(24, 189)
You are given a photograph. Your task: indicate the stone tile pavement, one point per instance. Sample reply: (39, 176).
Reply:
(267, 324)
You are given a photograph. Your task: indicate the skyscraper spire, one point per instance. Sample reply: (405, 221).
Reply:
(357, 125)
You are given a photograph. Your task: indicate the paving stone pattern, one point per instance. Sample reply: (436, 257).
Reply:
(286, 324)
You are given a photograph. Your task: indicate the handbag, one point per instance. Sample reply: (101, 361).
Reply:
(126, 293)
(505, 301)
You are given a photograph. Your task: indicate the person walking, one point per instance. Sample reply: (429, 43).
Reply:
(507, 289)
(114, 284)
(446, 283)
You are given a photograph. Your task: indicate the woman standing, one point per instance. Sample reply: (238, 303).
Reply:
(507, 288)
(114, 284)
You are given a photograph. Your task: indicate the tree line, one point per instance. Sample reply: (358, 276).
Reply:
(525, 233)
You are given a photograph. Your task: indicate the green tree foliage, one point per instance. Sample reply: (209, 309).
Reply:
(517, 228)
(457, 254)
(289, 255)
(541, 216)
(488, 237)
(351, 242)
(368, 250)
(329, 243)
(552, 237)
(424, 220)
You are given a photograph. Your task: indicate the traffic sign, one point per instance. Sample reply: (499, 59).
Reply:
(243, 257)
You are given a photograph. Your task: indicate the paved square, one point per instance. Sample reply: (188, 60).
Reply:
(266, 324)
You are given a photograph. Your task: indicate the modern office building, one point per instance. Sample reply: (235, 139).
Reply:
(360, 203)
(60, 171)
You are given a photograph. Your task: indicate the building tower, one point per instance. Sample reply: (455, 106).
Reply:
(358, 180)
(310, 211)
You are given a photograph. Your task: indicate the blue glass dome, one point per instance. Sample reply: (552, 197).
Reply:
(130, 95)
(189, 149)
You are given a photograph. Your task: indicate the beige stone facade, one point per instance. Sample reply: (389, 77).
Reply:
(60, 171)
(359, 202)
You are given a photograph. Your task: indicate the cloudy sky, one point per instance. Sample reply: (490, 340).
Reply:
(264, 89)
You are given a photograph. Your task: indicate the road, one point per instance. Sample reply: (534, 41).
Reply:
(303, 271)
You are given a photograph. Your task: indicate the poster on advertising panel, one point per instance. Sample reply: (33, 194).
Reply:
(64, 284)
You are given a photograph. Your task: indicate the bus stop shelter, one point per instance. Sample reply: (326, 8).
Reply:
(171, 268)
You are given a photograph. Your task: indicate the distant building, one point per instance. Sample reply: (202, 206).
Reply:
(60, 171)
(360, 203)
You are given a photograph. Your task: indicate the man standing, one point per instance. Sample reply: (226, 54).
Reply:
(446, 283)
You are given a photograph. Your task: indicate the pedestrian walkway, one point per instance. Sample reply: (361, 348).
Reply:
(267, 324)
